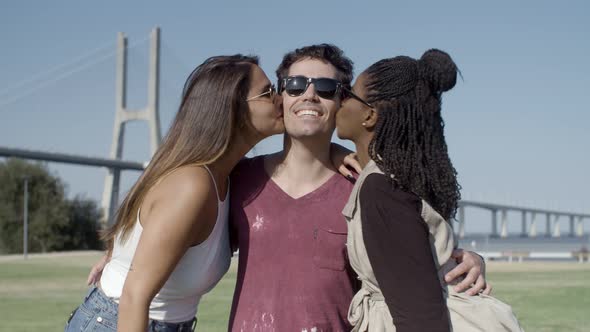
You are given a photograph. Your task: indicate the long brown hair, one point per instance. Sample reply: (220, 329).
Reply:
(213, 106)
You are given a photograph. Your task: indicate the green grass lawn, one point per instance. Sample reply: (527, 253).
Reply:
(38, 294)
(545, 297)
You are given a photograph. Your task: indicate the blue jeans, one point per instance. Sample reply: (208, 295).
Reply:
(99, 313)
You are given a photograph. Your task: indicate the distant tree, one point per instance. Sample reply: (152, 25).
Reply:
(53, 220)
(82, 227)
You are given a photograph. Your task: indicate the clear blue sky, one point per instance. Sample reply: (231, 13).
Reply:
(517, 125)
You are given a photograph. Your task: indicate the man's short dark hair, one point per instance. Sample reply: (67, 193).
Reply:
(325, 52)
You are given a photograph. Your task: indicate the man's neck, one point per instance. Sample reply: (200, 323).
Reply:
(303, 165)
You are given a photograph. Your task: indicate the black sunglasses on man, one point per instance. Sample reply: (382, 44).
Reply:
(326, 88)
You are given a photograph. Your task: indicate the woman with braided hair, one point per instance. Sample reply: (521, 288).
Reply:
(399, 234)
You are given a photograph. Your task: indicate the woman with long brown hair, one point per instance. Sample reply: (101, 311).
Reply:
(169, 244)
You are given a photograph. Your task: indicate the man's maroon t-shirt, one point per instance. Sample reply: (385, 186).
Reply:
(293, 272)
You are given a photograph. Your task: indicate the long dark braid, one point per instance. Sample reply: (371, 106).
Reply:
(409, 141)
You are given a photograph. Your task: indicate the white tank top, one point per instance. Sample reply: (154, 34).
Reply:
(197, 272)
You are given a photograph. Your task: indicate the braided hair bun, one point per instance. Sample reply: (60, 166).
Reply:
(438, 69)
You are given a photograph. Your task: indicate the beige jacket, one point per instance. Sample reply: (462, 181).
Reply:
(368, 310)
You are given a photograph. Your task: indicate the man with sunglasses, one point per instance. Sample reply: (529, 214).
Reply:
(293, 273)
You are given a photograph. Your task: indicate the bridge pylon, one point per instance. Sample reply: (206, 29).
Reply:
(110, 197)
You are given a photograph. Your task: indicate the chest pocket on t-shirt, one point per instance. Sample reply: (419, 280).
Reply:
(329, 248)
